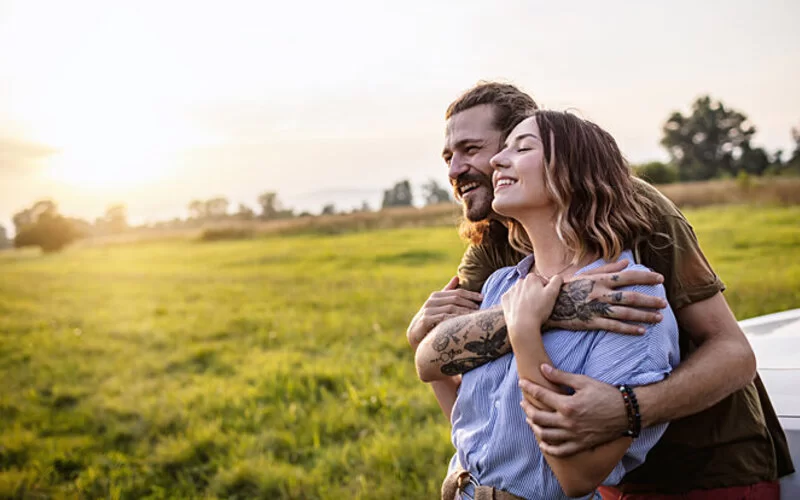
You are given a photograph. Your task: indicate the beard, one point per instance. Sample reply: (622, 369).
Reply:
(477, 203)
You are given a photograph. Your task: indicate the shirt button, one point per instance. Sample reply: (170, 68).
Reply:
(497, 404)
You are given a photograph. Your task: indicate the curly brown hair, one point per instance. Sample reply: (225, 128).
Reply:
(598, 211)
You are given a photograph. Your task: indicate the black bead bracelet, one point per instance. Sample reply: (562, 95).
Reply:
(632, 408)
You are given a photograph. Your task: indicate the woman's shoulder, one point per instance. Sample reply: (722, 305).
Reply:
(505, 274)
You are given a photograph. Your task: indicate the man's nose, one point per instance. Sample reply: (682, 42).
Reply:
(457, 167)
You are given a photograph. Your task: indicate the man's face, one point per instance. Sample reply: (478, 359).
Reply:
(470, 142)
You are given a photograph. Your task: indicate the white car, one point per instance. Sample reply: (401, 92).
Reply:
(775, 339)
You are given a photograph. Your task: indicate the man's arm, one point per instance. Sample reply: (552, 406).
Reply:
(723, 363)
(591, 302)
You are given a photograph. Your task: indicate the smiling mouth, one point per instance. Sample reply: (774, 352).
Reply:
(468, 187)
(503, 183)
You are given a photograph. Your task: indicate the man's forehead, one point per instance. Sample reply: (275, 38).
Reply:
(476, 123)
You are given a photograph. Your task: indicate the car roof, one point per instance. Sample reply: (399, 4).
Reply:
(775, 339)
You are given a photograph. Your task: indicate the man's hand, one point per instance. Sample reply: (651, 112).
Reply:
(447, 303)
(590, 301)
(595, 414)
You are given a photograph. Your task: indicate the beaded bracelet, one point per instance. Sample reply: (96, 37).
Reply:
(632, 408)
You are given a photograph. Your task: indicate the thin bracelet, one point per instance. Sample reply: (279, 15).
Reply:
(632, 409)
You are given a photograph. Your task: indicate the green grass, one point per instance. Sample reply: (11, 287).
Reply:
(273, 368)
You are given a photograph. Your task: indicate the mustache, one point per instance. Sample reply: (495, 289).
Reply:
(468, 177)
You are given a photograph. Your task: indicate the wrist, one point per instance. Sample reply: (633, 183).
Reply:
(531, 326)
(634, 423)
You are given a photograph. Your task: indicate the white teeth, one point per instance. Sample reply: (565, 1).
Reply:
(468, 187)
(505, 182)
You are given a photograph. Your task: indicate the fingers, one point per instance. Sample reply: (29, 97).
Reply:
(454, 300)
(449, 309)
(466, 294)
(452, 284)
(636, 315)
(549, 398)
(551, 435)
(607, 324)
(614, 267)
(634, 299)
(562, 450)
(628, 278)
(554, 285)
(559, 377)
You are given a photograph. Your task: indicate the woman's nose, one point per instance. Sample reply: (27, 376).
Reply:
(498, 161)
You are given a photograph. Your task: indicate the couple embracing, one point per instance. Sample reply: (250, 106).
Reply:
(585, 349)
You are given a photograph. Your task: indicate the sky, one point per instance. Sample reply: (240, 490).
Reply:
(153, 104)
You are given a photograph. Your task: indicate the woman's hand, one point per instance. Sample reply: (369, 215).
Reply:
(528, 304)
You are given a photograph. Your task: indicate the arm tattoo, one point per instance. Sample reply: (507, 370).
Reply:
(450, 332)
(571, 303)
(459, 353)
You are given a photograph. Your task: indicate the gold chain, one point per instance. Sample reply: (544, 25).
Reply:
(545, 278)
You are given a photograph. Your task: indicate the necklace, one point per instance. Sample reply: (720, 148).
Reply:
(547, 279)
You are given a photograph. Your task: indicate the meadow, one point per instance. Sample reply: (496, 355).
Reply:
(272, 367)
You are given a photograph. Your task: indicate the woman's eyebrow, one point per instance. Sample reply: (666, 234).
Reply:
(522, 136)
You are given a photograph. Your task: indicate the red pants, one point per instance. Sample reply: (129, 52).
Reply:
(768, 490)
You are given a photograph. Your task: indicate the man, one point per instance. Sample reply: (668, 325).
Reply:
(724, 438)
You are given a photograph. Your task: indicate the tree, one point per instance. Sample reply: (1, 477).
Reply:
(709, 142)
(197, 209)
(329, 209)
(216, 208)
(270, 206)
(656, 172)
(29, 216)
(42, 226)
(244, 212)
(434, 194)
(4, 241)
(398, 196)
(115, 219)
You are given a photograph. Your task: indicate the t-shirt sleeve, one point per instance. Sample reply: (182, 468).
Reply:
(673, 251)
(475, 267)
(636, 360)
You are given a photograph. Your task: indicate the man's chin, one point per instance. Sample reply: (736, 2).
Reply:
(477, 212)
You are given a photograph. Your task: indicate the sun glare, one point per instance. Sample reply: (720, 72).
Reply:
(104, 167)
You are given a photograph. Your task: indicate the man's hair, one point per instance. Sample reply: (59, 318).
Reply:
(510, 106)
(598, 211)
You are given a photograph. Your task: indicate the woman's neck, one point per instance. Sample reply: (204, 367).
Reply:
(551, 255)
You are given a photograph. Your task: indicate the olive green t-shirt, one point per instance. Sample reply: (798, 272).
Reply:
(736, 442)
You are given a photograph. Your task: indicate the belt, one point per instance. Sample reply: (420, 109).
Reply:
(455, 484)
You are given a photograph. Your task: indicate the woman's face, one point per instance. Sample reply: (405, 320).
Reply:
(518, 177)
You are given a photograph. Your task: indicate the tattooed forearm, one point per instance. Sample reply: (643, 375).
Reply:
(463, 365)
(572, 303)
(463, 343)
(449, 331)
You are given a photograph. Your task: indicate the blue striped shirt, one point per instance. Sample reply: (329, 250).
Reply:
(493, 441)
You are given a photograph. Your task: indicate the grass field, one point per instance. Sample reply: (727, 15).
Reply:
(272, 367)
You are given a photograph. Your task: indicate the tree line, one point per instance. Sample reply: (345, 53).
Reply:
(43, 226)
(712, 141)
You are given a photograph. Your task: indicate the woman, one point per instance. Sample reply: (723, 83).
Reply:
(567, 190)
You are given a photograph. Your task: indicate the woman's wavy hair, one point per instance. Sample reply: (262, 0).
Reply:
(598, 211)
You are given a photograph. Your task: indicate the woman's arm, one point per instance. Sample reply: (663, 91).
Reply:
(579, 474)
